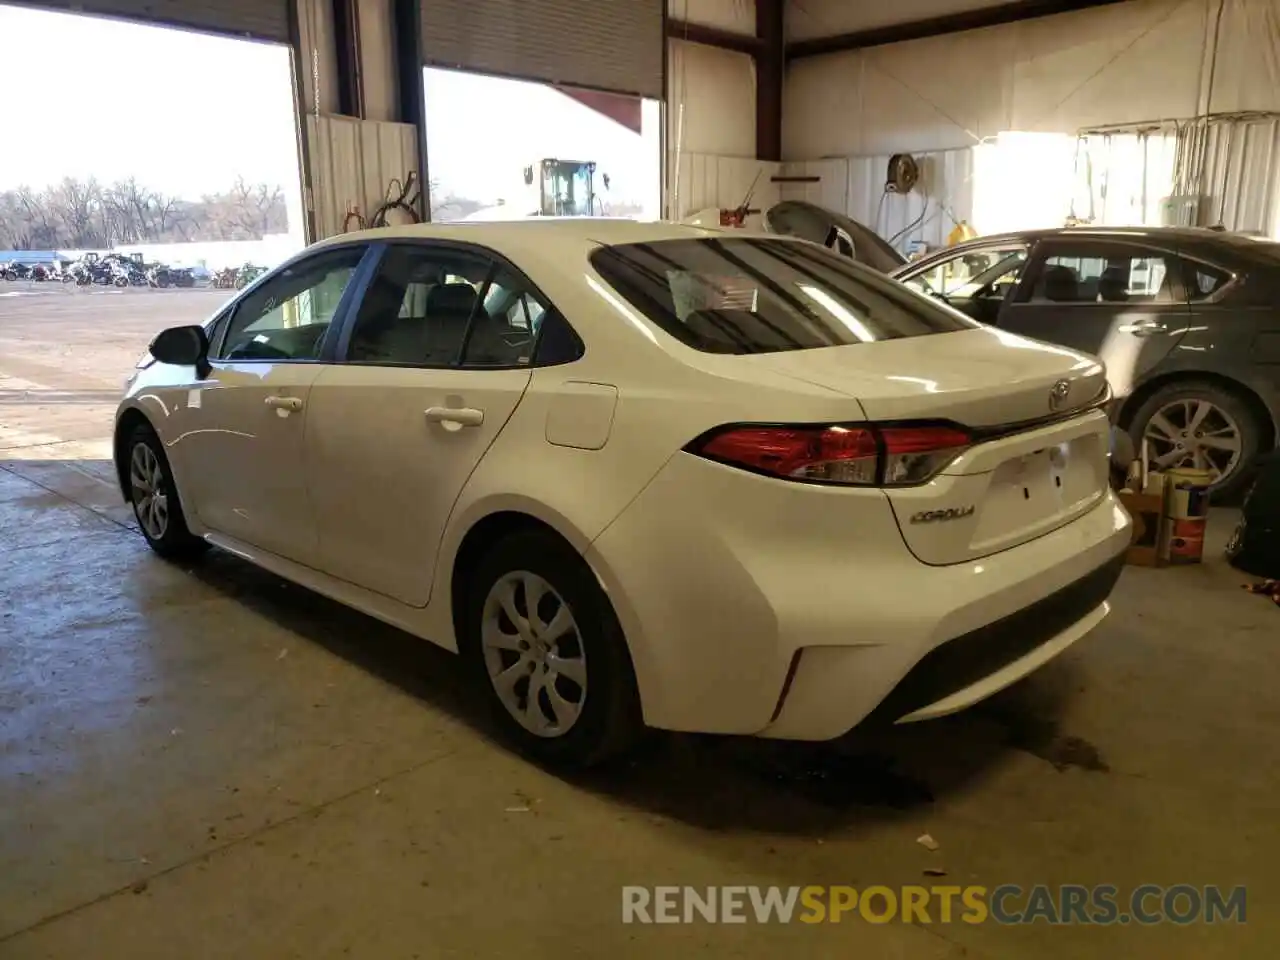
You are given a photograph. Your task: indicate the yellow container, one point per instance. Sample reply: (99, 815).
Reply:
(1188, 493)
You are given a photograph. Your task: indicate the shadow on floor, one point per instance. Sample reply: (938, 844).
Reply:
(715, 783)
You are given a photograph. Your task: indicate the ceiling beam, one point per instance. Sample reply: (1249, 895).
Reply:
(939, 26)
(713, 37)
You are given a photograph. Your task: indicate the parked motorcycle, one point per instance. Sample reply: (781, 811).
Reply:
(15, 271)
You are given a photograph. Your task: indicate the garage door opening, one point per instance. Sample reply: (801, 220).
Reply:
(503, 149)
(146, 172)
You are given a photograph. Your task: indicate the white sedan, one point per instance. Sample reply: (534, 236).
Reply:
(641, 474)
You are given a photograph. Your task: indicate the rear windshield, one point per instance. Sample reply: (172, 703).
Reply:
(759, 295)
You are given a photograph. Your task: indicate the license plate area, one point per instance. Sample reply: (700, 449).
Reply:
(1038, 490)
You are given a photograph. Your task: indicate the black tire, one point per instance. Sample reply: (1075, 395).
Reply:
(176, 542)
(610, 720)
(1237, 481)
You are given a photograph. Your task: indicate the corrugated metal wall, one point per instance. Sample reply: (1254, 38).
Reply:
(353, 162)
(705, 181)
(711, 130)
(855, 185)
(1232, 164)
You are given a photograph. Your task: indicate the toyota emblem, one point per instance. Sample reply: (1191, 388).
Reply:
(1058, 395)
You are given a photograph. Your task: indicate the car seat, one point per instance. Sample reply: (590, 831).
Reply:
(1113, 285)
(378, 334)
(449, 309)
(1061, 285)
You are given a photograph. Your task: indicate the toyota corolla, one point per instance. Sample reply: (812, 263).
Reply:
(641, 475)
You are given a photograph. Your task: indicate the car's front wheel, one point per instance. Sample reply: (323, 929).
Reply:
(1201, 426)
(154, 497)
(544, 643)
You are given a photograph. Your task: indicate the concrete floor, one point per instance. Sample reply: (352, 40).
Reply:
(211, 763)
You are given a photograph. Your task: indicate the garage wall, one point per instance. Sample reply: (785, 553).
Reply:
(1013, 99)
(377, 62)
(711, 115)
(351, 162)
(711, 131)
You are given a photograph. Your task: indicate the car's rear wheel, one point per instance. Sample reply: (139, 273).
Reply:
(544, 643)
(1201, 426)
(154, 497)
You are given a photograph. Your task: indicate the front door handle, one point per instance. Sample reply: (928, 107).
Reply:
(285, 403)
(462, 416)
(1143, 328)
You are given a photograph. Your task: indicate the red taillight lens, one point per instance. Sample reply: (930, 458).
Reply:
(852, 454)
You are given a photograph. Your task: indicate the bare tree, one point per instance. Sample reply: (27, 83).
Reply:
(77, 206)
(77, 214)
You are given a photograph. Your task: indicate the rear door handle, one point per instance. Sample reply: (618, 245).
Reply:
(285, 403)
(463, 416)
(1143, 328)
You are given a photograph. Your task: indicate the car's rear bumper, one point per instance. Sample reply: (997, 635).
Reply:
(753, 606)
(953, 675)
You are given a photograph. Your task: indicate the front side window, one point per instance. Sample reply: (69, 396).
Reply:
(754, 295)
(1101, 276)
(433, 306)
(418, 306)
(978, 273)
(286, 317)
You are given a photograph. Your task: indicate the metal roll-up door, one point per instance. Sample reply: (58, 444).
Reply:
(256, 19)
(602, 44)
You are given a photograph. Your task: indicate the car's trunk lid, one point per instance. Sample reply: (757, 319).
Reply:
(1039, 457)
(980, 377)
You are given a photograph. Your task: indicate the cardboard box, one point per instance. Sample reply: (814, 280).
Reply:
(1149, 546)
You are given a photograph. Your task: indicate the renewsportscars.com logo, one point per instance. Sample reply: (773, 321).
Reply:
(1067, 904)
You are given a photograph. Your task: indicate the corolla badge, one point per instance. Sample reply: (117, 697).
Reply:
(936, 516)
(1058, 395)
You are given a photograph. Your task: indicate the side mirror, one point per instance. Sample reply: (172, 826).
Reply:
(528, 176)
(183, 347)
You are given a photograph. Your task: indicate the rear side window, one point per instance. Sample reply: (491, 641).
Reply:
(756, 295)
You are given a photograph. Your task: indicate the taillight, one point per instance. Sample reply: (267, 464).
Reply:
(856, 454)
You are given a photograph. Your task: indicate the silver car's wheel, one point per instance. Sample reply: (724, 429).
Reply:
(150, 498)
(533, 654)
(1196, 433)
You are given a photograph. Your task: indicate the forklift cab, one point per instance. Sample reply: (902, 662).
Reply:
(566, 188)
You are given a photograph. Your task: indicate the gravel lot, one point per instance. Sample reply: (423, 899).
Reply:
(64, 354)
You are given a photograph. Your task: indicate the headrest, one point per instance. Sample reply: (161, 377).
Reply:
(452, 298)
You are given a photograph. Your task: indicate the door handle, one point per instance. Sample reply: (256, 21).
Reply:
(463, 416)
(1143, 328)
(285, 403)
